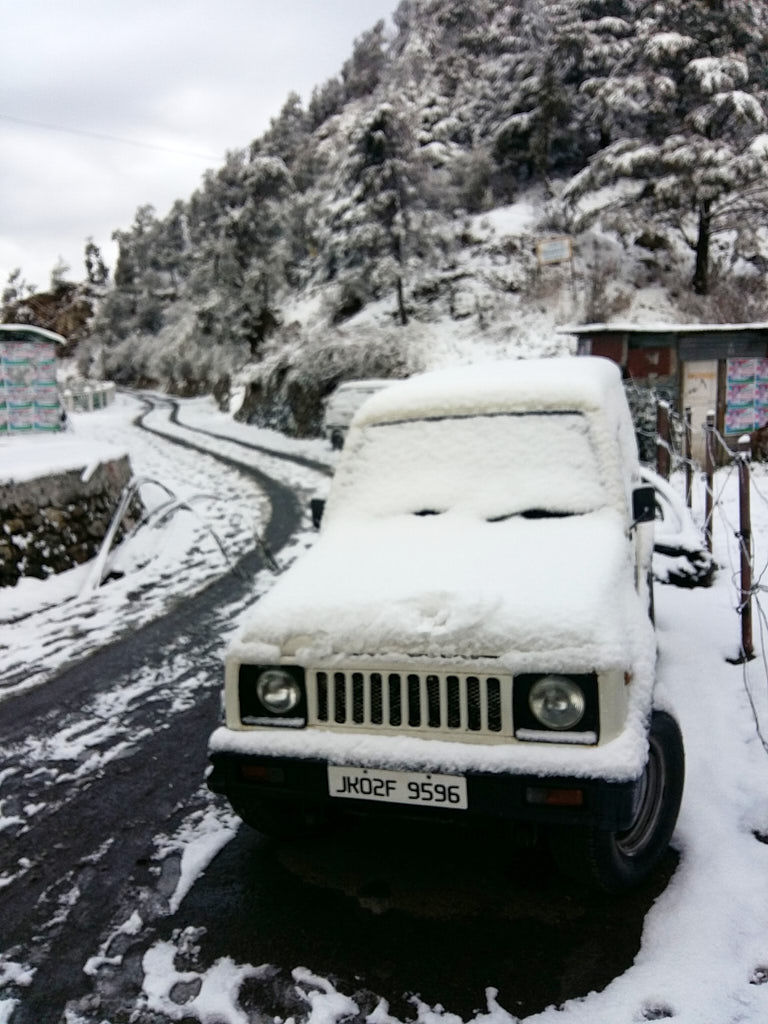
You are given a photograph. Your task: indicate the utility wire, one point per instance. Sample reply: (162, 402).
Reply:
(43, 126)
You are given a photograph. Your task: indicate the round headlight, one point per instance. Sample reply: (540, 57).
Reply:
(557, 702)
(278, 691)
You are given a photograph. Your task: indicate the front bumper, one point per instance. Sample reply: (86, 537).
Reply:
(255, 780)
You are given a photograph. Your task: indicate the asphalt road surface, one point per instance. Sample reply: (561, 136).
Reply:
(380, 910)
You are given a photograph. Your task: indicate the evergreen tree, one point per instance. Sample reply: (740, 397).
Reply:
(171, 247)
(325, 101)
(551, 47)
(125, 267)
(689, 106)
(288, 133)
(362, 72)
(374, 210)
(59, 274)
(96, 270)
(245, 259)
(16, 290)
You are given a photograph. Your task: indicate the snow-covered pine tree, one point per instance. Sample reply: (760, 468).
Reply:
(686, 110)
(287, 138)
(171, 249)
(16, 290)
(252, 252)
(376, 198)
(326, 100)
(362, 72)
(551, 48)
(125, 267)
(96, 270)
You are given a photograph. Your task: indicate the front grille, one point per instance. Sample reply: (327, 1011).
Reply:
(453, 704)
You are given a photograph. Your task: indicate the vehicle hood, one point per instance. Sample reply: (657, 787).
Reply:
(549, 592)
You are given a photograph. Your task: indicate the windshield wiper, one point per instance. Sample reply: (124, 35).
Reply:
(526, 513)
(532, 513)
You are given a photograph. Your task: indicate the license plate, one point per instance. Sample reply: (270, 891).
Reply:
(416, 788)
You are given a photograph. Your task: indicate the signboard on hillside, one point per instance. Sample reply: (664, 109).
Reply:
(554, 250)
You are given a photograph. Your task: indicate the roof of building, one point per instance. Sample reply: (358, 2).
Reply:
(28, 332)
(691, 341)
(622, 327)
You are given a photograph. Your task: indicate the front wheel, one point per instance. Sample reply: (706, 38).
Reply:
(612, 860)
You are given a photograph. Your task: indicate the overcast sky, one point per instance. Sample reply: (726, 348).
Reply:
(187, 79)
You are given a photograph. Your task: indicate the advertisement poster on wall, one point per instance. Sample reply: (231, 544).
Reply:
(746, 398)
(29, 398)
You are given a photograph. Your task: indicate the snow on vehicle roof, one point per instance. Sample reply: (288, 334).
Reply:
(585, 383)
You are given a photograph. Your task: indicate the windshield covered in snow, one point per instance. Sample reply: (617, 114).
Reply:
(492, 466)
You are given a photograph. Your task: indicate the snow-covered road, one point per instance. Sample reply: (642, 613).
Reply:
(48, 624)
(89, 685)
(170, 946)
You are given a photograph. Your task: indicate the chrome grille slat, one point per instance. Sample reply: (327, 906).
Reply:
(456, 705)
(385, 706)
(463, 703)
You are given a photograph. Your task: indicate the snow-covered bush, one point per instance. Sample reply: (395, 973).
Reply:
(287, 391)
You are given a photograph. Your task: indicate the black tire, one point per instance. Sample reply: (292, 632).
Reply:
(280, 821)
(613, 861)
(337, 440)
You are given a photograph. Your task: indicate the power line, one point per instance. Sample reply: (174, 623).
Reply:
(43, 126)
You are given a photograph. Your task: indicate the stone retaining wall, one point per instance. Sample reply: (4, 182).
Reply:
(56, 522)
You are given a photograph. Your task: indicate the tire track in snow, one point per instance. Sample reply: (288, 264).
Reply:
(63, 881)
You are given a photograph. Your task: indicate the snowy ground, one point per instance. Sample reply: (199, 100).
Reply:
(214, 516)
(704, 952)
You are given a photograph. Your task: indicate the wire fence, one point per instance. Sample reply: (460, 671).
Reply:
(664, 438)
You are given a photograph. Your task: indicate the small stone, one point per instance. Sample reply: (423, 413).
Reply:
(55, 517)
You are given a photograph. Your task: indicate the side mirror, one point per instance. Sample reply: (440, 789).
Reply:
(317, 507)
(643, 504)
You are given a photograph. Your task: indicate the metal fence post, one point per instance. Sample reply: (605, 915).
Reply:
(745, 546)
(709, 477)
(663, 439)
(688, 456)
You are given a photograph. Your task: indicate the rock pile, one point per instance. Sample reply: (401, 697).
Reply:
(56, 522)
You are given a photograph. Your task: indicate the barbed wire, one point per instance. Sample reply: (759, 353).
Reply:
(744, 549)
(763, 623)
(717, 499)
(724, 444)
(645, 404)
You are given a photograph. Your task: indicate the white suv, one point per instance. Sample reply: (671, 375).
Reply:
(344, 403)
(470, 634)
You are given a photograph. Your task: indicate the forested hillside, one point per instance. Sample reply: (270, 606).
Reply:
(401, 206)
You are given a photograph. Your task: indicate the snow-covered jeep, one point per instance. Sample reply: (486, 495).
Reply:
(470, 635)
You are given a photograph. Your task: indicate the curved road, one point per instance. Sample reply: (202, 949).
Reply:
(382, 911)
(129, 798)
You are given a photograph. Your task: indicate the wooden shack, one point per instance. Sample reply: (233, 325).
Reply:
(701, 367)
